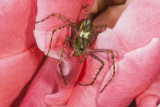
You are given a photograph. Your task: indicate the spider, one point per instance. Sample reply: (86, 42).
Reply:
(81, 39)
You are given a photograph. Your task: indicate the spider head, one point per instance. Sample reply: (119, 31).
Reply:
(85, 25)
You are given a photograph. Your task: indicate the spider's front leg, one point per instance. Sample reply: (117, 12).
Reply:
(60, 60)
(86, 11)
(57, 15)
(53, 34)
(61, 17)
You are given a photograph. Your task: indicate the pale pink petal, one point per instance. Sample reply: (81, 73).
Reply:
(138, 24)
(138, 69)
(151, 96)
(135, 72)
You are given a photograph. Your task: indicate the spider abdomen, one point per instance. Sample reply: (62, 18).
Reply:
(80, 45)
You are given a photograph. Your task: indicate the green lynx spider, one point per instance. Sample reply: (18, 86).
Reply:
(81, 38)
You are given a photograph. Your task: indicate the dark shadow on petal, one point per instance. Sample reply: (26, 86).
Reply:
(133, 104)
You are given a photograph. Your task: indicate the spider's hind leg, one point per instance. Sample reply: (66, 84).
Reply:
(60, 60)
(113, 64)
(85, 56)
(101, 67)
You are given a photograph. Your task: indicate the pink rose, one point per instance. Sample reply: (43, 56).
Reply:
(134, 40)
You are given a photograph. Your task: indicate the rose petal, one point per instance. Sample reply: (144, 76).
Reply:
(16, 26)
(59, 98)
(138, 24)
(42, 85)
(134, 31)
(16, 71)
(19, 56)
(151, 96)
(135, 72)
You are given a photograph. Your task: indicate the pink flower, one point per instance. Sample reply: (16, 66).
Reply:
(134, 40)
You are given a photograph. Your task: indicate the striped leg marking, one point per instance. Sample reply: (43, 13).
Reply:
(53, 34)
(60, 60)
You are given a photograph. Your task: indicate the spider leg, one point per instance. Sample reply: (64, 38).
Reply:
(57, 15)
(84, 58)
(60, 60)
(101, 67)
(52, 36)
(86, 11)
(94, 38)
(100, 26)
(73, 34)
(71, 54)
(113, 63)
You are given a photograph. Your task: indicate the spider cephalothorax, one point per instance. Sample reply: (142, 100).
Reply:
(82, 37)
